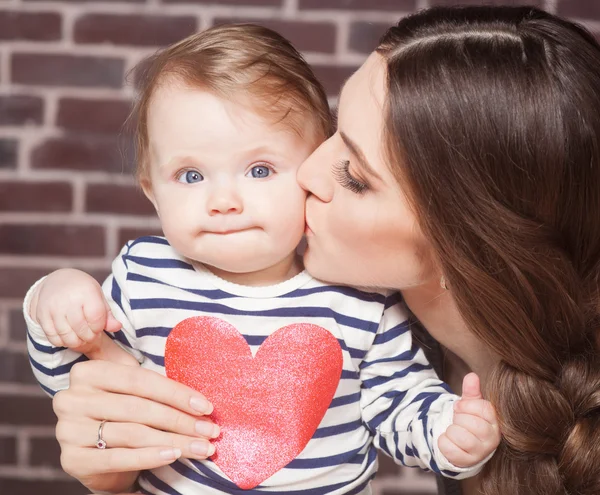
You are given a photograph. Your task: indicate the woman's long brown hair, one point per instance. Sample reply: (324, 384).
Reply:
(493, 128)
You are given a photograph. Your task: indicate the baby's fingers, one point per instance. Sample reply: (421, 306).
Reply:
(65, 332)
(453, 453)
(488, 434)
(479, 407)
(461, 447)
(45, 321)
(95, 311)
(79, 324)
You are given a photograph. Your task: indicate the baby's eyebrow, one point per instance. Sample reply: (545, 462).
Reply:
(357, 152)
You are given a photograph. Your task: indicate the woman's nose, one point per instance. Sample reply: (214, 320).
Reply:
(314, 175)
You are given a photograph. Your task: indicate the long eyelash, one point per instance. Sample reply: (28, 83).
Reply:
(341, 172)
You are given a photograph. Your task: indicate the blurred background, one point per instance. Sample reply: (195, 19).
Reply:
(66, 193)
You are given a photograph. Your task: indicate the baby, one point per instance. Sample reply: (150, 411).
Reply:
(307, 379)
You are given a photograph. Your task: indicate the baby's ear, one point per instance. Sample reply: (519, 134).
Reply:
(147, 188)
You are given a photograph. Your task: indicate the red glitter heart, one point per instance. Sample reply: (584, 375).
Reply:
(268, 407)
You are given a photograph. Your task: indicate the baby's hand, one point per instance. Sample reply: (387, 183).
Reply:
(474, 432)
(70, 307)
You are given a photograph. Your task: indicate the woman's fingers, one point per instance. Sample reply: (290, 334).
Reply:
(134, 436)
(80, 463)
(140, 382)
(128, 409)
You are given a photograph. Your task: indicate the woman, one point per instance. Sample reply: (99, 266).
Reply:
(467, 164)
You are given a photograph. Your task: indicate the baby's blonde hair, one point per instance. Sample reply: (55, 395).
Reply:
(237, 62)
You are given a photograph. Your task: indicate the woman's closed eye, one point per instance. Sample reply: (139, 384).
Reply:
(189, 177)
(341, 172)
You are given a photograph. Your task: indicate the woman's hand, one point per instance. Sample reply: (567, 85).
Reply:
(150, 422)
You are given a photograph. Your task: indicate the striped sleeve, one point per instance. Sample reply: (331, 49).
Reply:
(117, 296)
(405, 405)
(51, 365)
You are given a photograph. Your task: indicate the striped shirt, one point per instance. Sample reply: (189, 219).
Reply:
(388, 396)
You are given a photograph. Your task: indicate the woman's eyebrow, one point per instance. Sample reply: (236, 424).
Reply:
(357, 152)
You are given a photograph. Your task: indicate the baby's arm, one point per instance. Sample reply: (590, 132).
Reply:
(412, 413)
(66, 315)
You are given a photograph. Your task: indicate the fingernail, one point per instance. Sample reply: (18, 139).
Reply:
(207, 429)
(202, 448)
(170, 454)
(201, 405)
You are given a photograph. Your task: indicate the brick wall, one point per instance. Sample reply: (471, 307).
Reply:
(66, 195)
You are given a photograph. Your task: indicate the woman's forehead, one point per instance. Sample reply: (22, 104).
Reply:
(366, 86)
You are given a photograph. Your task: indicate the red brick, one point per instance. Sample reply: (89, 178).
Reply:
(8, 450)
(17, 326)
(236, 3)
(15, 367)
(124, 200)
(35, 196)
(533, 3)
(388, 5)
(28, 487)
(88, 1)
(364, 36)
(21, 110)
(85, 153)
(129, 234)
(108, 116)
(52, 240)
(30, 26)
(333, 77)
(67, 70)
(8, 153)
(44, 452)
(305, 36)
(19, 410)
(15, 282)
(133, 30)
(583, 9)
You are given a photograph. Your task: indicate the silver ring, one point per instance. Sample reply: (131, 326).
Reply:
(101, 443)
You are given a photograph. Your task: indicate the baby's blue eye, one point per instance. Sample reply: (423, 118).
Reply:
(190, 177)
(260, 171)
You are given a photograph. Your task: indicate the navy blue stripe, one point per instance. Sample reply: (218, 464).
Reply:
(376, 421)
(330, 431)
(46, 349)
(159, 360)
(293, 312)
(339, 289)
(232, 489)
(212, 294)
(354, 353)
(49, 391)
(59, 370)
(404, 356)
(349, 375)
(121, 337)
(160, 484)
(149, 239)
(391, 333)
(350, 457)
(393, 300)
(153, 332)
(380, 380)
(115, 294)
(345, 400)
(158, 263)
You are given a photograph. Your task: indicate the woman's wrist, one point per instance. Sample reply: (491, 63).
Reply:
(109, 483)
